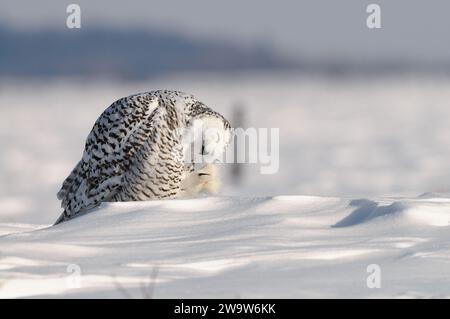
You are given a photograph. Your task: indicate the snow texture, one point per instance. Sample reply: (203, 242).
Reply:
(354, 137)
(230, 247)
(368, 146)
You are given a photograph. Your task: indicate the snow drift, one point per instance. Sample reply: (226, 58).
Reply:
(233, 247)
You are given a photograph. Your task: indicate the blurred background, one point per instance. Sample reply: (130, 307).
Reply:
(361, 112)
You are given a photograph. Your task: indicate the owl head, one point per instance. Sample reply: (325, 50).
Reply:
(206, 137)
(216, 135)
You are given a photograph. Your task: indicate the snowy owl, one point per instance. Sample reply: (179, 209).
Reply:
(137, 150)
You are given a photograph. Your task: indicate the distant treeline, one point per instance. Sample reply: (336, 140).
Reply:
(137, 54)
(123, 54)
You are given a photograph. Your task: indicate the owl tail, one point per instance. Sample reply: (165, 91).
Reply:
(71, 182)
(63, 217)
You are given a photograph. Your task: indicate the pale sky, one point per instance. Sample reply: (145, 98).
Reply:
(411, 29)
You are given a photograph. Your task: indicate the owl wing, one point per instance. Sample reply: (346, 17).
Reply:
(116, 136)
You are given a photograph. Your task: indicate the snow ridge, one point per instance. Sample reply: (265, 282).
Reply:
(282, 246)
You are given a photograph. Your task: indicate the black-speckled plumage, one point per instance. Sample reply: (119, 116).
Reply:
(134, 152)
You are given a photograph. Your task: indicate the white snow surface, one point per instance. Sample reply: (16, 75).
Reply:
(235, 247)
(363, 148)
(354, 137)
